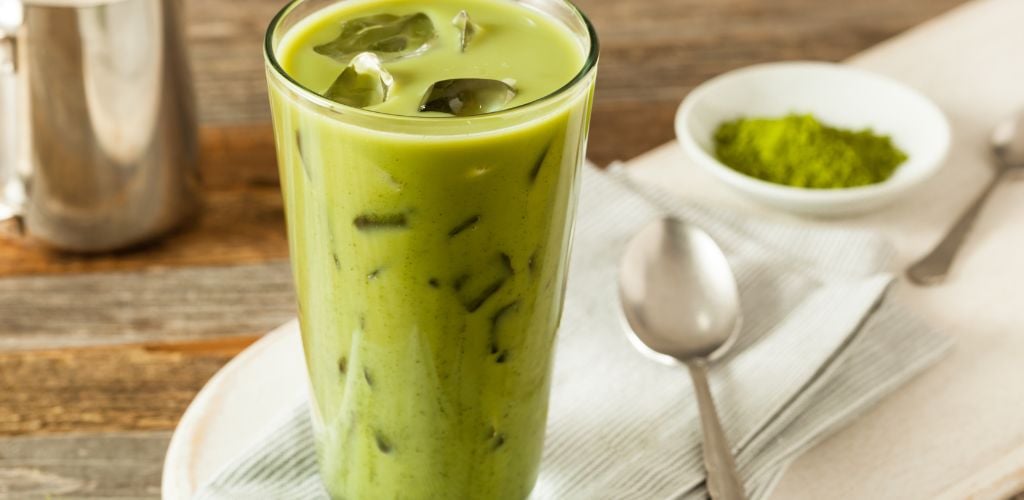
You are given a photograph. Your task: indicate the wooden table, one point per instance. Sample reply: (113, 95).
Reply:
(100, 355)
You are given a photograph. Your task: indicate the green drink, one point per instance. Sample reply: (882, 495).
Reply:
(429, 225)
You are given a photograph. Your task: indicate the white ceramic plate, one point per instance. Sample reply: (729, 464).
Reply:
(235, 407)
(839, 95)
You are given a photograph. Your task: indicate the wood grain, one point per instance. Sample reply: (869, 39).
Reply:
(121, 465)
(107, 388)
(159, 304)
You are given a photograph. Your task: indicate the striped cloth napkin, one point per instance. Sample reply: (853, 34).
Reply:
(819, 345)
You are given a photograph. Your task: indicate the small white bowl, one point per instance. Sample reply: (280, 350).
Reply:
(838, 95)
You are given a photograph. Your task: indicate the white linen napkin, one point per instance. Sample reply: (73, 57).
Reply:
(819, 345)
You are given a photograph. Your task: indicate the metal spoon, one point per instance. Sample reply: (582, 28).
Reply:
(1007, 145)
(680, 299)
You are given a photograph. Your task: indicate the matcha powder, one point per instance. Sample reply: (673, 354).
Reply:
(800, 151)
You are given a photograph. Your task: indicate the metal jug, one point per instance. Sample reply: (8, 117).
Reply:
(97, 123)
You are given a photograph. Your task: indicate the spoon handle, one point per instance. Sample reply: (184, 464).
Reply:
(723, 481)
(932, 268)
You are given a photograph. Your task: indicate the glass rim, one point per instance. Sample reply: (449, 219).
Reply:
(270, 57)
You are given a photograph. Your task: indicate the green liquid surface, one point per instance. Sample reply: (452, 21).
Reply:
(430, 268)
(514, 42)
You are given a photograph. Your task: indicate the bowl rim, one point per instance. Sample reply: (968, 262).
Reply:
(930, 163)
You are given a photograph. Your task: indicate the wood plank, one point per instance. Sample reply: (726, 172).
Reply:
(83, 466)
(238, 156)
(161, 304)
(107, 388)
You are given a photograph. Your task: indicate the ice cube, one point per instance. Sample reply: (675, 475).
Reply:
(364, 82)
(387, 35)
(468, 96)
(467, 28)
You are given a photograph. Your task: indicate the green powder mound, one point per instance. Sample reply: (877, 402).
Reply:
(800, 151)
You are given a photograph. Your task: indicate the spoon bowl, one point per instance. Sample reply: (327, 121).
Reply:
(678, 293)
(680, 299)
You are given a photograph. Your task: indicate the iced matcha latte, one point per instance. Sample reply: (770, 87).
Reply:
(428, 153)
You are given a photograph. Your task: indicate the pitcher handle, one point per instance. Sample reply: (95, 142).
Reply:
(12, 187)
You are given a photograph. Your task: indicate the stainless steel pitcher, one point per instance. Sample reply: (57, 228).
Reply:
(97, 122)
